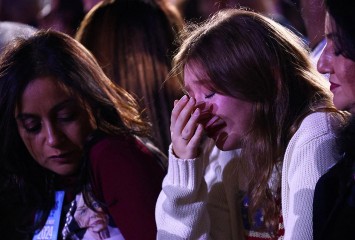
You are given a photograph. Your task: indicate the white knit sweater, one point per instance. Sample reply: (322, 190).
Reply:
(200, 199)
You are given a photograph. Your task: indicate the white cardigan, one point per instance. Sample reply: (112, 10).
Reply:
(200, 198)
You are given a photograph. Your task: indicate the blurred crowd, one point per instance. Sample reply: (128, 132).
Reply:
(65, 15)
(177, 119)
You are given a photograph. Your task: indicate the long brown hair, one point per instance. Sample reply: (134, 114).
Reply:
(54, 54)
(133, 40)
(251, 57)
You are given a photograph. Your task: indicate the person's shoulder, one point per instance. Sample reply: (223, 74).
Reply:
(116, 143)
(126, 148)
(315, 128)
(318, 123)
(124, 155)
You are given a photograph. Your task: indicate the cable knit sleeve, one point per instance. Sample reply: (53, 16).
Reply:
(309, 154)
(181, 211)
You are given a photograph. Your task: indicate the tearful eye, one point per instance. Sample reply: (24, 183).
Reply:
(33, 129)
(209, 95)
(31, 126)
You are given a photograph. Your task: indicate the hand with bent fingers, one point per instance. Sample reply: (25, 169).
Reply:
(186, 129)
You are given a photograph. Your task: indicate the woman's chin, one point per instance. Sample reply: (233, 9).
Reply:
(225, 142)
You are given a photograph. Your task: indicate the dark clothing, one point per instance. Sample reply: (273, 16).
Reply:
(126, 177)
(334, 203)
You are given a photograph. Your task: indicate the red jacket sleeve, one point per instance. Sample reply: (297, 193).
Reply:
(127, 178)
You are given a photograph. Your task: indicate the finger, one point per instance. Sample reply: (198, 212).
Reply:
(196, 138)
(212, 121)
(191, 125)
(176, 110)
(184, 116)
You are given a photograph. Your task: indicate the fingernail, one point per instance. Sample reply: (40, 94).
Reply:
(192, 100)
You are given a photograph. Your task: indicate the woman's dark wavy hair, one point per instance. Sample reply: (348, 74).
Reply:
(250, 57)
(54, 54)
(346, 140)
(343, 15)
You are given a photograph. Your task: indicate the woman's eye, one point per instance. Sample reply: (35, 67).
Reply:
(32, 126)
(209, 95)
(66, 117)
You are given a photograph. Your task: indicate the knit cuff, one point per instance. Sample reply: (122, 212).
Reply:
(184, 173)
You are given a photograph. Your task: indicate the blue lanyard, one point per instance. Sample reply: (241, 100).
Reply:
(51, 228)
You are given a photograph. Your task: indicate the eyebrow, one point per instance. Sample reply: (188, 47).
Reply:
(56, 108)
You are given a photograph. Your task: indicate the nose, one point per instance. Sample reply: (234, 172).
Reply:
(199, 98)
(54, 136)
(324, 64)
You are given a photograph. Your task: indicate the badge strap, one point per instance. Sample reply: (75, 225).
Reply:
(51, 228)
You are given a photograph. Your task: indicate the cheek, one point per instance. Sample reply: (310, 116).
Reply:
(80, 130)
(239, 125)
(81, 218)
(349, 76)
(78, 134)
(238, 117)
(347, 80)
(345, 70)
(33, 146)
